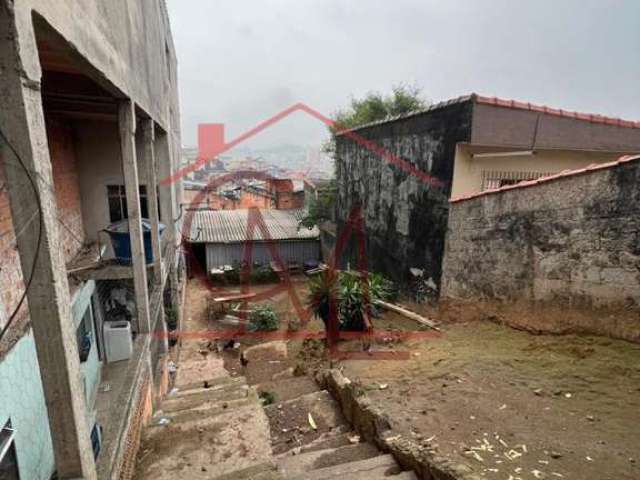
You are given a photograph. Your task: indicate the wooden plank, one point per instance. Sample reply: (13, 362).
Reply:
(234, 298)
(408, 314)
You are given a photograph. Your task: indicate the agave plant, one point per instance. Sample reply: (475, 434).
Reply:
(323, 289)
(354, 298)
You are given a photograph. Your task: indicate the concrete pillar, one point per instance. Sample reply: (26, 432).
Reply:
(127, 123)
(167, 191)
(167, 209)
(33, 208)
(149, 161)
(148, 152)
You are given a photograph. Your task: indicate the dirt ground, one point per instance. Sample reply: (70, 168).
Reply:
(515, 405)
(197, 326)
(509, 404)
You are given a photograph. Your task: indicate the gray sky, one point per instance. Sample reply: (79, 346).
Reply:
(243, 61)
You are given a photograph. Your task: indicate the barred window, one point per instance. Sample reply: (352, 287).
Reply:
(496, 179)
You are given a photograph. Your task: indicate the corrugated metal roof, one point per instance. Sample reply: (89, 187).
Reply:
(230, 226)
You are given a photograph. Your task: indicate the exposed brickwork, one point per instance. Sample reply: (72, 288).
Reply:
(142, 410)
(67, 192)
(65, 180)
(11, 283)
(290, 200)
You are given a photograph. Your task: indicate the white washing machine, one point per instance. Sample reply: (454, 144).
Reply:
(117, 340)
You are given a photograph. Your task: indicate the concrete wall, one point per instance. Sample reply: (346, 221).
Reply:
(23, 397)
(99, 165)
(572, 242)
(405, 218)
(23, 403)
(467, 174)
(128, 44)
(90, 368)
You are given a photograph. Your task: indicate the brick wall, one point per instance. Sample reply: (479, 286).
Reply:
(572, 244)
(142, 410)
(11, 282)
(67, 187)
(65, 177)
(290, 200)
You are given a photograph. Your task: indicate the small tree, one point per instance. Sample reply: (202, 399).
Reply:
(320, 208)
(375, 106)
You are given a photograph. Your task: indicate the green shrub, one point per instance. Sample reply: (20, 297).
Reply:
(171, 317)
(263, 274)
(263, 319)
(257, 274)
(352, 295)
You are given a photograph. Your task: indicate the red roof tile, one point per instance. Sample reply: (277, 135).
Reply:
(565, 173)
(504, 103)
(590, 117)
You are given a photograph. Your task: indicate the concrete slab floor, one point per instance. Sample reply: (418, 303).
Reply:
(112, 403)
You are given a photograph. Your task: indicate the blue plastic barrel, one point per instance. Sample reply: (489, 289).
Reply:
(121, 242)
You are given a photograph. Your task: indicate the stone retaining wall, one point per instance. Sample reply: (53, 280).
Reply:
(572, 243)
(374, 426)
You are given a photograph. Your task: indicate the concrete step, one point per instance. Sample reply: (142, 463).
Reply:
(223, 383)
(205, 447)
(289, 388)
(289, 420)
(262, 471)
(209, 409)
(197, 419)
(193, 371)
(292, 465)
(404, 476)
(206, 398)
(378, 467)
(210, 382)
(338, 437)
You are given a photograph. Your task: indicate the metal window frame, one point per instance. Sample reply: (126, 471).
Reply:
(6, 445)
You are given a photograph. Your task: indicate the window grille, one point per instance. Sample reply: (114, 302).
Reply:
(496, 179)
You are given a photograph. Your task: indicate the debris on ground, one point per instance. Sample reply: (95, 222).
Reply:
(312, 422)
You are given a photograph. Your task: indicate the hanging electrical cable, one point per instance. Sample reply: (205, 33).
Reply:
(14, 314)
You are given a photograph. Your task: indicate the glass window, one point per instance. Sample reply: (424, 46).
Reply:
(84, 335)
(117, 199)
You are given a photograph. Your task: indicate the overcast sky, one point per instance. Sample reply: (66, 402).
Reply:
(241, 62)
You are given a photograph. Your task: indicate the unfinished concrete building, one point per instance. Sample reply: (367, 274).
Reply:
(400, 173)
(89, 128)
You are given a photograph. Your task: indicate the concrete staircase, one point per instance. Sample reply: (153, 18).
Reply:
(211, 425)
(214, 427)
(331, 449)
